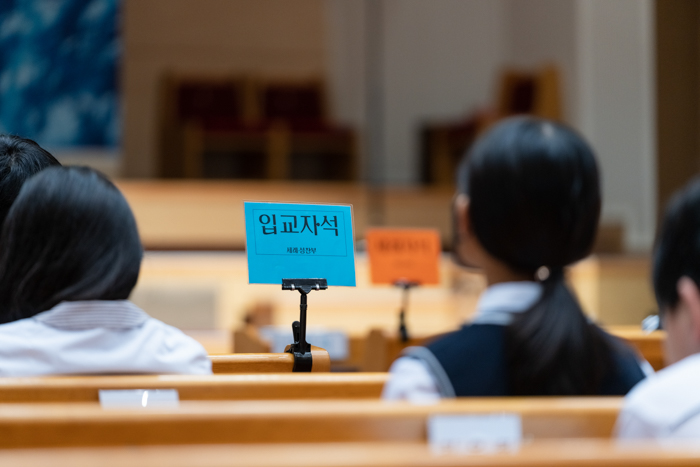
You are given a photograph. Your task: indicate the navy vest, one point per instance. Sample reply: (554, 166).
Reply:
(471, 362)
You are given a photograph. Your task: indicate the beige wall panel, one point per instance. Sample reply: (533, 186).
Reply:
(265, 24)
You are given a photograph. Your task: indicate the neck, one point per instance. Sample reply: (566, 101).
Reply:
(497, 273)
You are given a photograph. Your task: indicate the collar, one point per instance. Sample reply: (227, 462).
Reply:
(83, 315)
(498, 303)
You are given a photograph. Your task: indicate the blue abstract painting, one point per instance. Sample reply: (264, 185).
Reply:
(59, 71)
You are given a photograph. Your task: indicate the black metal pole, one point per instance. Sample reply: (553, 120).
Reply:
(403, 331)
(302, 322)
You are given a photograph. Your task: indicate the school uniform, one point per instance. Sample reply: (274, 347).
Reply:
(472, 360)
(664, 406)
(97, 337)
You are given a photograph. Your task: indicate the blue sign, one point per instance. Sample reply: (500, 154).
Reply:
(299, 241)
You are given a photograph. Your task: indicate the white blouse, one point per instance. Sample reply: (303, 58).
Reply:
(665, 406)
(97, 337)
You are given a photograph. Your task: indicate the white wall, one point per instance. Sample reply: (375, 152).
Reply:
(616, 108)
(540, 32)
(605, 51)
(439, 61)
(346, 59)
(441, 58)
(346, 68)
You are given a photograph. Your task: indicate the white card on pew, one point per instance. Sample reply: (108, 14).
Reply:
(139, 398)
(474, 433)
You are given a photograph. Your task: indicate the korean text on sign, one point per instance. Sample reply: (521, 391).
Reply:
(404, 255)
(299, 241)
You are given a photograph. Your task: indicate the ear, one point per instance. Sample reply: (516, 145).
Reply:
(689, 295)
(461, 207)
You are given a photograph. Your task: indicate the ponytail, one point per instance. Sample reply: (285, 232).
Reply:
(552, 348)
(534, 200)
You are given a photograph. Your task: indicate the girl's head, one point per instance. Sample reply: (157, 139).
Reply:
(676, 273)
(20, 158)
(70, 235)
(529, 196)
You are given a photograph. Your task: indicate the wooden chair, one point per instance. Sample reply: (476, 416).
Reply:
(298, 110)
(248, 340)
(270, 421)
(202, 114)
(526, 92)
(256, 386)
(381, 350)
(266, 126)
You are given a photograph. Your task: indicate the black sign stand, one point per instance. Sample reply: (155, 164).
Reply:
(300, 348)
(406, 286)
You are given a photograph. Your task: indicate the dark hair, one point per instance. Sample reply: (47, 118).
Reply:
(535, 202)
(677, 249)
(69, 236)
(20, 158)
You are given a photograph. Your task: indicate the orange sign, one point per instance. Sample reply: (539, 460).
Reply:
(404, 255)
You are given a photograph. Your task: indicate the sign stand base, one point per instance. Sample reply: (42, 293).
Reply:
(406, 286)
(301, 349)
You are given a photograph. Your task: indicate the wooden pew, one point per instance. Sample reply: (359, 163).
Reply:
(189, 387)
(649, 344)
(581, 453)
(377, 350)
(266, 362)
(87, 424)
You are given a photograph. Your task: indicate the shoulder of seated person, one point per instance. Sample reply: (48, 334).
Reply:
(669, 393)
(170, 333)
(467, 330)
(14, 326)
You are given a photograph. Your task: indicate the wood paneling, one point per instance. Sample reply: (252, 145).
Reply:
(677, 95)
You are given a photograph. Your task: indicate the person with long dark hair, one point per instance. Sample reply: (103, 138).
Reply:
(70, 257)
(527, 206)
(20, 158)
(667, 405)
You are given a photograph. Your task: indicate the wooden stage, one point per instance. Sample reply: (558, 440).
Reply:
(197, 280)
(208, 215)
(204, 291)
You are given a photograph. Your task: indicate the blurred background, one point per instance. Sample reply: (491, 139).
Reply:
(193, 106)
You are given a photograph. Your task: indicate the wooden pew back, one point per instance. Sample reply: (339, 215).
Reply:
(216, 387)
(378, 349)
(581, 453)
(49, 425)
(649, 344)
